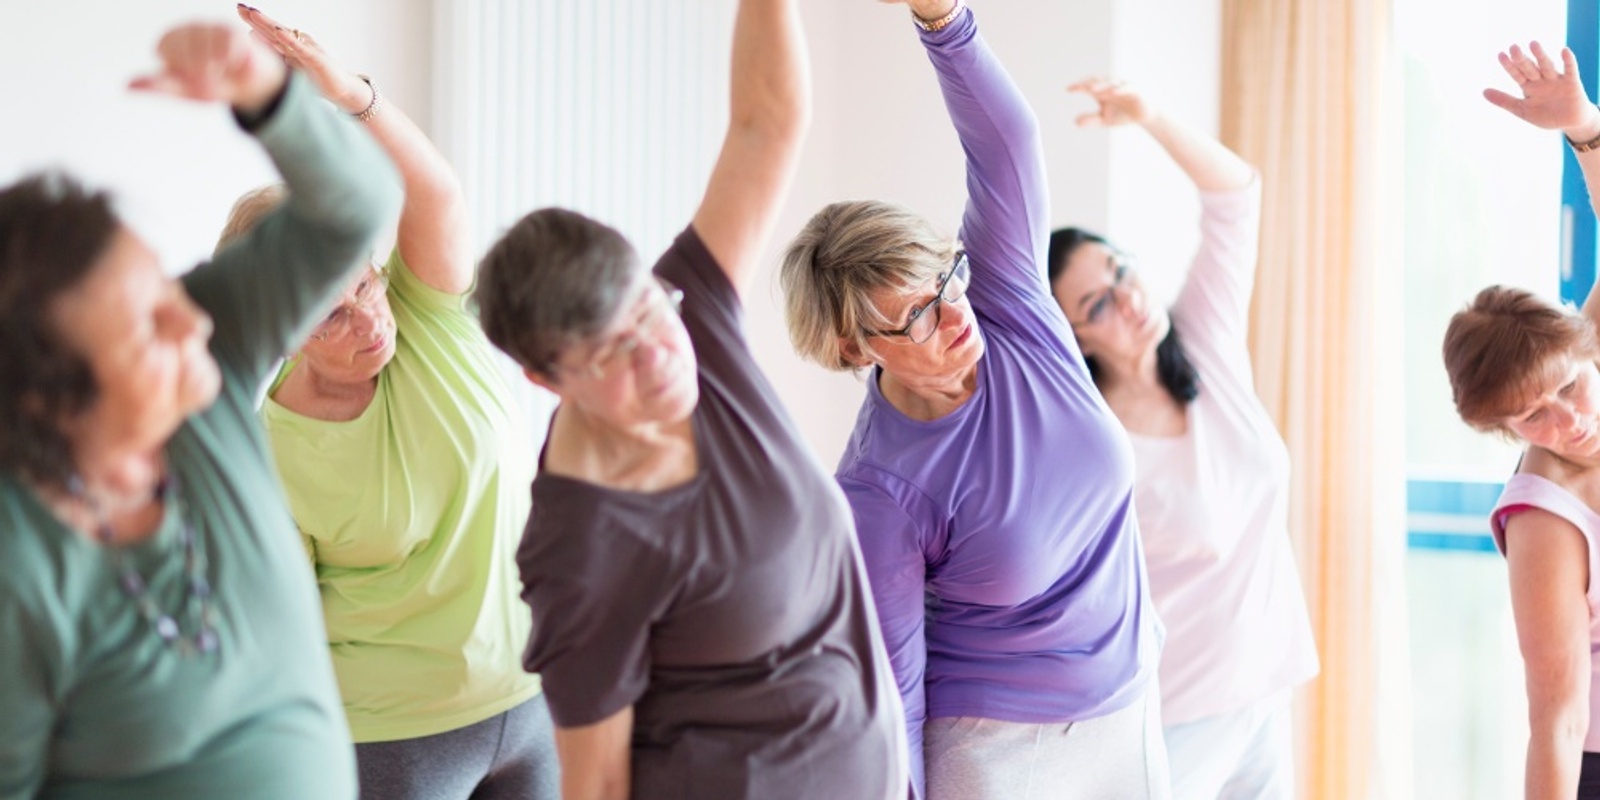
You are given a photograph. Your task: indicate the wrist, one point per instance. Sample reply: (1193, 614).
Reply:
(1585, 137)
(262, 83)
(935, 15)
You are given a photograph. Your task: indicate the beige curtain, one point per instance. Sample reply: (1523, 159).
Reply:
(1303, 98)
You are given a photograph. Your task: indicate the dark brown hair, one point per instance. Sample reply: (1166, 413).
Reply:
(1177, 374)
(52, 232)
(1505, 348)
(554, 279)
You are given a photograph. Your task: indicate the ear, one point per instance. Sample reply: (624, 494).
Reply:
(541, 380)
(851, 353)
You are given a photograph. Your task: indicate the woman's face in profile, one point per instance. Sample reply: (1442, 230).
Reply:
(146, 344)
(1563, 416)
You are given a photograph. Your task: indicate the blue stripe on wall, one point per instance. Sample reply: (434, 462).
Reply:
(1578, 229)
(1468, 501)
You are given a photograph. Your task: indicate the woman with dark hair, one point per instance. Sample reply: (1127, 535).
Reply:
(406, 466)
(1525, 369)
(991, 488)
(159, 630)
(701, 620)
(1212, 473)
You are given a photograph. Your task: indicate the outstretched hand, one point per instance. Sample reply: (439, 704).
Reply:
(302, 52)
(1551, 98)
(1119, 103)
(211, 62)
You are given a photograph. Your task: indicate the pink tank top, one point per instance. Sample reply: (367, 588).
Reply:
(1526, 491)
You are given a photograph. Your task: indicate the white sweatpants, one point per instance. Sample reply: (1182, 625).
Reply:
(1118, 756)
(1241, 755)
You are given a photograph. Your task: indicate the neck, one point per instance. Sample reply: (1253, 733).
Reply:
(1136, 374)
(928, 399)
(608, 440)
(330, 386)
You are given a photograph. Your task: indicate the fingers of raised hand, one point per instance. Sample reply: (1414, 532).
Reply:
(197, 62)
(1547, 67)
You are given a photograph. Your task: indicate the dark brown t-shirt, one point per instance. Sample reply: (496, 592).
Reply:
(732, 612)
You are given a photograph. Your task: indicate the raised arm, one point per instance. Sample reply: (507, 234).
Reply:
(1212, 166)
(262, 290)
(769, 111)
(1005, 227)
(1553, 98)
(1548, 563)
(432, 236)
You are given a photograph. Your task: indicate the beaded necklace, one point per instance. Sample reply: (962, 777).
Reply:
(197, 595)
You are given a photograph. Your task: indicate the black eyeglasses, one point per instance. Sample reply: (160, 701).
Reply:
(1121, 267)
(920, 325)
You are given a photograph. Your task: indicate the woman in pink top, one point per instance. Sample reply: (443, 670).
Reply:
(1212, 474)
(1524, 368)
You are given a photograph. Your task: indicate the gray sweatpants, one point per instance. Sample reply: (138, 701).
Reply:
(510, 755)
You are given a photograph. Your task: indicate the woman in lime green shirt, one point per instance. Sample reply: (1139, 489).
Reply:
(407, 470)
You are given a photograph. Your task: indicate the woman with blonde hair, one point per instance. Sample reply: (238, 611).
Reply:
(406, 464)
(1522, 368)
(991, 486)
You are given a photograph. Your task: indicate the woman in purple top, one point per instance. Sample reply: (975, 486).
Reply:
(991, 486)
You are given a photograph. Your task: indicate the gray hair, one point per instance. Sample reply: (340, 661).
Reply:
(248, 210)
(847, 251)
(554, 279)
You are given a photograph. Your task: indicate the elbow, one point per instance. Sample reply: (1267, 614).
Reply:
(1564, 725)
(781, 122)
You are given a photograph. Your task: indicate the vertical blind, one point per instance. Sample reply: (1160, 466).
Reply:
(614, 108)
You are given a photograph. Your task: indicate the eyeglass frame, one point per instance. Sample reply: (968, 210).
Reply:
(1122, 270)
(342, 312)
(935, 305)
(625, 343)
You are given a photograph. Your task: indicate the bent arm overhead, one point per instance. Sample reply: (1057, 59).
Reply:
(1553, 98)
(1006, 223)
(769, 112)
(432, 237)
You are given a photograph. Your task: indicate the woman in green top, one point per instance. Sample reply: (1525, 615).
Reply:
(407, 469)
(159, 634)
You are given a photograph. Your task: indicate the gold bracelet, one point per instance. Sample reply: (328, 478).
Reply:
(936, 25)
(1583, 147)
(372, 108)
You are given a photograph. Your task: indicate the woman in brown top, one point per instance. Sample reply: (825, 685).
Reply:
(701, 616)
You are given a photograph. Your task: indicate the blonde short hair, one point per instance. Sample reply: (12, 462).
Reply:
(845, 253)
(248, 210)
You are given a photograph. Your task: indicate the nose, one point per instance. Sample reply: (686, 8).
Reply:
(953, 313)
(1127, 297)
(363, 320)
(181, 318)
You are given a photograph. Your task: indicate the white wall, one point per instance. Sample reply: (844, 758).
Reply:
(880, 129)
(176, 167)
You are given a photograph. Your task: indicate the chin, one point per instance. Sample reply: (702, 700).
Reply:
(202, 382)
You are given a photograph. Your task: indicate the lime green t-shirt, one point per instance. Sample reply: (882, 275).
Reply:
(412, 513)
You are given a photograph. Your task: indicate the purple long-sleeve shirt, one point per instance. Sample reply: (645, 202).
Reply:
(1000, 539)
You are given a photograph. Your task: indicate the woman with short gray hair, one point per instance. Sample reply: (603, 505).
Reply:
(991, 486)
(700, 613)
